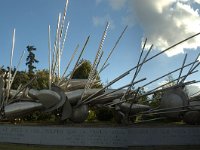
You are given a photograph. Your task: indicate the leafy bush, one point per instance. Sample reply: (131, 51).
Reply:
(104, 114)
(91, 116)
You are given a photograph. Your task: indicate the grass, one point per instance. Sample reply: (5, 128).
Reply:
(5, 146)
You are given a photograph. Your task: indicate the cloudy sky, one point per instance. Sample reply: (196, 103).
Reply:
(162, 22)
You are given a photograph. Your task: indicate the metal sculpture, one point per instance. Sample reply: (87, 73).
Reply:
(73, 97)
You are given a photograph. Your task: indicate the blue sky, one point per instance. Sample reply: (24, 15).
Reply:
(163, 23)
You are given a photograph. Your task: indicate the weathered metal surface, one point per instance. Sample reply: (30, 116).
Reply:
(60, 92)
(80, 114)
(192, 117)
(18, 109)
(33, 93)
(174, 97)
(134, 108)
(48, 98)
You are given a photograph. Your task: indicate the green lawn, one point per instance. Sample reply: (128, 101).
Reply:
(4, 146)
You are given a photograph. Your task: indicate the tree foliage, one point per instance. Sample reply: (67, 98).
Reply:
(41, 81)
(20, 78)
(104, 114)
(83, 71)
(30, 60)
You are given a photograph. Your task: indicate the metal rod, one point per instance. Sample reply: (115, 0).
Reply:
(19, 63)
(121, 35)
(137, 91)
(92, 72)
(116, 103)
(173, 111)
(104, 67)
(167, 109)
(65, 36)
(80, 55)
(190, 71)
(174, 46)
(11, 61)
(109, 84)
(63, 18)
(49, 46)
(23, 87)
(59, 55)
(96, 72)
(105, 94)
(167, 49)
(195, 60)
(147, 54)
(72, 57)
(141, 54)
(138, 68)
(182, 68)
(155, 89)
(168, 73)
(100, 57)
(194, 93)
(56, 45)
(149, 120)
(122, 99)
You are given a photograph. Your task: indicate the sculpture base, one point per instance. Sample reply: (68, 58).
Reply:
(100, 136)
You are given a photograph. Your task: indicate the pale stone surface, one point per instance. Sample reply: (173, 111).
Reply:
(164, 136)
(101, 137)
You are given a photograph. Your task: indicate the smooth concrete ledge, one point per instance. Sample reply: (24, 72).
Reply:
(100, 136)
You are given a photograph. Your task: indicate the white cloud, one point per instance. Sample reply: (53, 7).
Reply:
(101, 21)
(117, 4)
(162, 83)
(197, 1)
(166, 22)
(128, 20)
(193, 90)
(114, 4)
(199, 59)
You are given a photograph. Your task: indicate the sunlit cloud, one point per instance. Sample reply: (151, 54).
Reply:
(166, 22)
(101, 21)
(114, 4)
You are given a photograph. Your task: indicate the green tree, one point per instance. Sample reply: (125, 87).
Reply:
(83, 72)
(23, 78)
(143, 99)
(42, 79)
(20, 78)
(30, 60)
